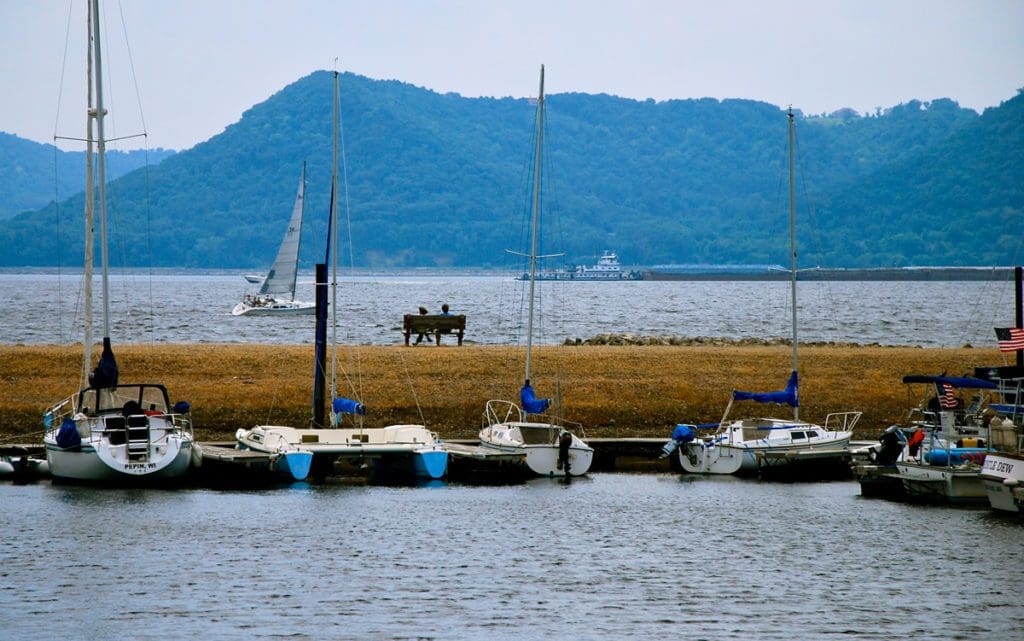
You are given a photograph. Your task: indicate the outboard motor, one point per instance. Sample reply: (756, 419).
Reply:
(891, 445)
(681, 435)
(564, 442)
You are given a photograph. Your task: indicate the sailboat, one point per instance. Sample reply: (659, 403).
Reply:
(112, 432)
(276, 295)
(408, 451)
(549, 448)
(743, 445)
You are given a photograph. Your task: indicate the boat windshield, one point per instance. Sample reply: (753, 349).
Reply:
(151, 398)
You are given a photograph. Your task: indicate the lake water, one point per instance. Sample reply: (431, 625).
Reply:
(195, 308)
(612, 556)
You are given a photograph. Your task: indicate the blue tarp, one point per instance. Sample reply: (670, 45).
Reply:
(788, 396)
(347, 406)
(105, 374)
(956, 381)
(683, 433)
(532, 404)
(67, 435)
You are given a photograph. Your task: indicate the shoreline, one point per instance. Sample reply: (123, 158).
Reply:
(612, 391)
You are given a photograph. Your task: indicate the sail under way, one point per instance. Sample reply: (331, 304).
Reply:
(281, 278)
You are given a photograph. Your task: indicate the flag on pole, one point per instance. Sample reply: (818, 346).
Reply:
(947, 396)
(1011, 339)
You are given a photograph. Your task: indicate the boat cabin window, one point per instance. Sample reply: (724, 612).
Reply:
(797, 436)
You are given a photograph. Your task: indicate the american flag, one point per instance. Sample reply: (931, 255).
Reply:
(1011, 339)
(947, 397)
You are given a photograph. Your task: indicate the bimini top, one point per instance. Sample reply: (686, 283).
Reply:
(968, 382)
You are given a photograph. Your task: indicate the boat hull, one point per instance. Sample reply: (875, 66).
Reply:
(539, 448)
(291, 308)
(725, 458)
(1002, 476)
(403, 451)
(957, 485)
(95, 463)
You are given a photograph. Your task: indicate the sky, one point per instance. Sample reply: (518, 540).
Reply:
(183, 70)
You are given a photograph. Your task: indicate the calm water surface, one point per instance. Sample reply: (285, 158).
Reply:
(613, 556)
(195, 308)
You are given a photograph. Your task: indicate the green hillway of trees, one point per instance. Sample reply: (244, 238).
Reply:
(439, 180)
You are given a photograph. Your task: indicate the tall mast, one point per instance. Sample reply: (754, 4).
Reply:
(102, 167)
(334, 249)
(90, 202)
(536, 220)
(792, 250)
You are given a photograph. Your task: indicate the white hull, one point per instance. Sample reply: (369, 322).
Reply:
(541, 458)
(730, 450)
(1002, 476)
(274, 308)
(705, 458)
(101, 463)
(396, 443)
(961, 484)
(114, 442)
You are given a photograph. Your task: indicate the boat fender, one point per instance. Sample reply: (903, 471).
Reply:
(914, 443)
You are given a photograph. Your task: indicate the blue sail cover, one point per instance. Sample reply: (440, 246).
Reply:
(105, 374)
(347, 406)
(532, 404)
(788, 396)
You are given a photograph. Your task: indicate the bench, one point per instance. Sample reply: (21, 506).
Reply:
(435, 324)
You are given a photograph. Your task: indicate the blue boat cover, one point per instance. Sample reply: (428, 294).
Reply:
(347, 406)
(788, 396)
(532, 404)
(105, 374)
(182, 407)
(67, 435)
(683, 433)
(956, 381)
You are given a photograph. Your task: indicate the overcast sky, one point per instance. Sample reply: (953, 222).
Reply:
(200, 63)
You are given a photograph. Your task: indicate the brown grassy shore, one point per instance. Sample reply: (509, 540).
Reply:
(613, 391)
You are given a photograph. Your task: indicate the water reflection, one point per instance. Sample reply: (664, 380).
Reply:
(606, 556)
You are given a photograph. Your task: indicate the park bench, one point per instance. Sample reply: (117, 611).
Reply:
(435, 324)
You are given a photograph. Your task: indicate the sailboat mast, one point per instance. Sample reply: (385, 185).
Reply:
(102, 169)
(334, 248)
(792, 250)
(90, 202)
(535, 221)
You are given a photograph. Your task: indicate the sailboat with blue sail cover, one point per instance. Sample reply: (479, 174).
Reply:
(112, 432)
(550, 448)
(736, 446)
(408, 451)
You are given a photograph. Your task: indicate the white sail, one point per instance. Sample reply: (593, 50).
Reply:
(281, 278)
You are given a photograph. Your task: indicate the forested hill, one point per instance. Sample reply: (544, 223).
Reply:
(441, 180)
(30, 172)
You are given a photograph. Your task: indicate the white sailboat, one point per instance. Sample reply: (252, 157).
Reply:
(408, 451)
(277, 290)
(549, 448)
(111, 432)
(741, 445)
